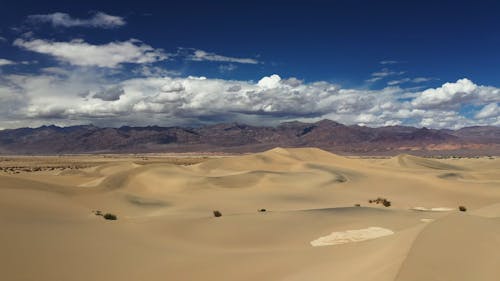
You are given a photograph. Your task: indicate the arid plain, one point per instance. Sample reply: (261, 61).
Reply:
(287, 214)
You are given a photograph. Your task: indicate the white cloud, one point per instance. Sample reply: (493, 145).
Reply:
(385, 62)
(155, 71)
(80, 53)
(199, 55)
(373, 79)
(270, 82)
(99, 19)
(490, 110)
(227, 68)
(406, 80)
(387, 72)
(383, 73)
(397, 82)
(3, 39)
(448, 95)
(422, 79)
(173, 87)
(86, 96)
(6, 62)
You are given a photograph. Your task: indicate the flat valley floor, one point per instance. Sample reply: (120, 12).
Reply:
(287, 214)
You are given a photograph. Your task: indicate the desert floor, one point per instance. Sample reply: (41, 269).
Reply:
(311, 228)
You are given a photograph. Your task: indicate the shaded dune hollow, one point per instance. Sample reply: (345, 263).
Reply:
(290, 213)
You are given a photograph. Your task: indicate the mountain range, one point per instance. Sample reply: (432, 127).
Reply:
(235, 137)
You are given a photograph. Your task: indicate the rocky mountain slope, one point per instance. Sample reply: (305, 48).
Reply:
(234, 137)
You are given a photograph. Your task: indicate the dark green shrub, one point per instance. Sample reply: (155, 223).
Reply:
(109, 216)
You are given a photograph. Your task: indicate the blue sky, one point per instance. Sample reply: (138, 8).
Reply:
(373, 63)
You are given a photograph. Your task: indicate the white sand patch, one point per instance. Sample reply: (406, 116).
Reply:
(349, 236)
(426, 220)
(438, 209)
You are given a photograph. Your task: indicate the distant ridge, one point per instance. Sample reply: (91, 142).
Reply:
(235, 137)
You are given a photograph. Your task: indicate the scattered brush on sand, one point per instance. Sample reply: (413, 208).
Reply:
(169, 218)
(380, 200)
(107, 216)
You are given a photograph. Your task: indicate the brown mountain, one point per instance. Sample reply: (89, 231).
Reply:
(234, 137)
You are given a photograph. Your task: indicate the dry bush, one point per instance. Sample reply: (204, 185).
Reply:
(381, 200)
(110, 216)
(217, 214)
(462, 208)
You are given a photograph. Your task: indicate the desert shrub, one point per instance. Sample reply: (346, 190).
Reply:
(462, 208)
(217, 214)
(381, 200)
(357, 205)
(262, 210)
(98, 213)
(109, 216)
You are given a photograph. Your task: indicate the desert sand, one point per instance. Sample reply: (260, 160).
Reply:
(311, 228)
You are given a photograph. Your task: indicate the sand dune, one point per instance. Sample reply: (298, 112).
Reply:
(414, 162)
(166, 230)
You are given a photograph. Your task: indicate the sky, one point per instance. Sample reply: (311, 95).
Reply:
(433, 64)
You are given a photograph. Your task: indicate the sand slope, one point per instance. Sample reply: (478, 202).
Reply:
(166, 231)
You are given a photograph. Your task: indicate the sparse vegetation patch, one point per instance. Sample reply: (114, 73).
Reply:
(380, 200)
(107, 216)
(110, 216)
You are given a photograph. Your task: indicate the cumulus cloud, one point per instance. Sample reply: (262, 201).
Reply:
(83, 96)
(234, 88)
(99, 20)
(446, 96)
(270, 82)
(110, 94)
(172, 87)
(200, 55)
(80, 53)
(6, 62)
(292, 82)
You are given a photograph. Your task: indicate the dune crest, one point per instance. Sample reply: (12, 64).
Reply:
(415, 162)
